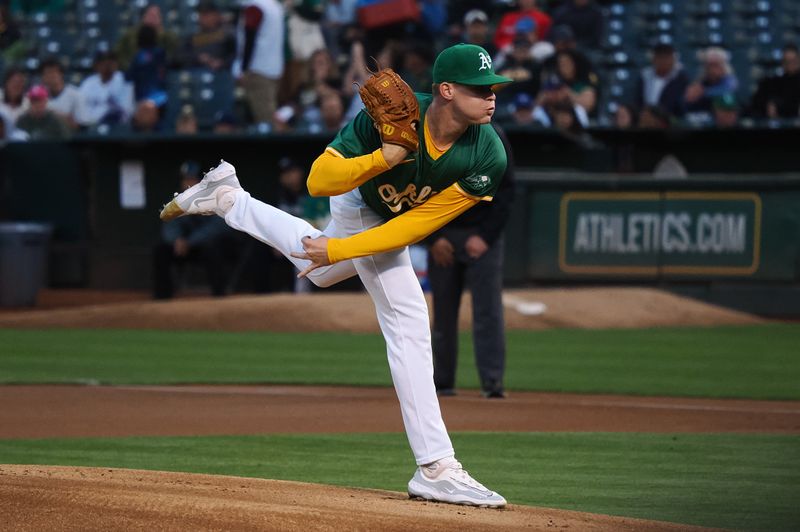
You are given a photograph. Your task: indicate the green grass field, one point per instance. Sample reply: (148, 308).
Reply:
(721, 480)
(739, 481)
(759, 362)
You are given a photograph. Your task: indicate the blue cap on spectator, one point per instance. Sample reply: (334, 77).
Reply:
(523, 100)
(525, 25)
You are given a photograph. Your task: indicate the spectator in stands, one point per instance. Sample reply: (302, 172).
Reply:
(186, 123)
(726, 111)
(519, 65)
(259, 60)
(663, 83)
(654, 117)
(625, 117)
(106, 98)
(148, 68)
(303, 38)
(127, 46)
(303, 111)
(433, 22)
(148, 74)
(522, 109)
(340, 17)
(477, 31)
(563, 40)
(526, 37)
(146, 117)
(417, 67)
(65, 98)
(39, 122)
(457, 10)
(506, 29)
(778, 96)
(580, 87)
(14, 102)
(226, 123)
(716, 79)
(190, 239)
(354, 77)
(555, 107)
(332, 112)
(560, 115)
(326, 116)
(585, 19)
(323, 77)
(213, 46)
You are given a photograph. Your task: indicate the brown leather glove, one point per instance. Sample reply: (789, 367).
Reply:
(394, 109)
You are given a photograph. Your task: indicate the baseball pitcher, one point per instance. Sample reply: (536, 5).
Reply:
(403, 168)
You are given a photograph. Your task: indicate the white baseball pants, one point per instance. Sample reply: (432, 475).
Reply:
(399, 302)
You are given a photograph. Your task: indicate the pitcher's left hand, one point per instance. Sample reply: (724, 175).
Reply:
(315, 250)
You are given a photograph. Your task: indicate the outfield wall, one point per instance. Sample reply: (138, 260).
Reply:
(710, 235)
(729, 240)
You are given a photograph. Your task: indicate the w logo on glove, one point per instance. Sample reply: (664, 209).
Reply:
(394, 109)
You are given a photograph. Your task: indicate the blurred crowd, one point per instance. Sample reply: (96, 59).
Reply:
(295, 65)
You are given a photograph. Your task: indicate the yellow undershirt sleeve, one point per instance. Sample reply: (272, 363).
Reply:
(406, 229)
(332, 174)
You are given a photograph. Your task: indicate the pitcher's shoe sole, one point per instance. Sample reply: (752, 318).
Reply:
(202, 197)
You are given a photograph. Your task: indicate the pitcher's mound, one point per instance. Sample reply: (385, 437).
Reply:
(354, 312)
(80, 498)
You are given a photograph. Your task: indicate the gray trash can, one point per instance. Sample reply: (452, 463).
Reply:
(23, 262)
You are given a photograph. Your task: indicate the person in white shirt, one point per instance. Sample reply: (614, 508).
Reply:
(105, 96)
(664, 83)
(64, 97)
(259, 55)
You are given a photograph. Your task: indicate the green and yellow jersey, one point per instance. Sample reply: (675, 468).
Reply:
(417, 196)
(475, 164)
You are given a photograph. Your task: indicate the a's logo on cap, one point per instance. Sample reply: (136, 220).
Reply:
(486, 61)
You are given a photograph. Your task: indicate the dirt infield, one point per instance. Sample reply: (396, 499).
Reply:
(39, 497)
(354, 312)
(94, 411)
(44, 497)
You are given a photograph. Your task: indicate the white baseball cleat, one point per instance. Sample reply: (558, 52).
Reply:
(447, 481)
(212, 195)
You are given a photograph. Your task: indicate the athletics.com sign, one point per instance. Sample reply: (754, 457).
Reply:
(652, 232)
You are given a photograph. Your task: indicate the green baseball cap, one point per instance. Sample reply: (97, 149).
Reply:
(467, 64)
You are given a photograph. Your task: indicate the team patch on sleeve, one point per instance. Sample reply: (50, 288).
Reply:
(484, 177)
(477, 185)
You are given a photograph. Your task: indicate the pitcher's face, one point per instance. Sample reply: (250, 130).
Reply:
(475, 102)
